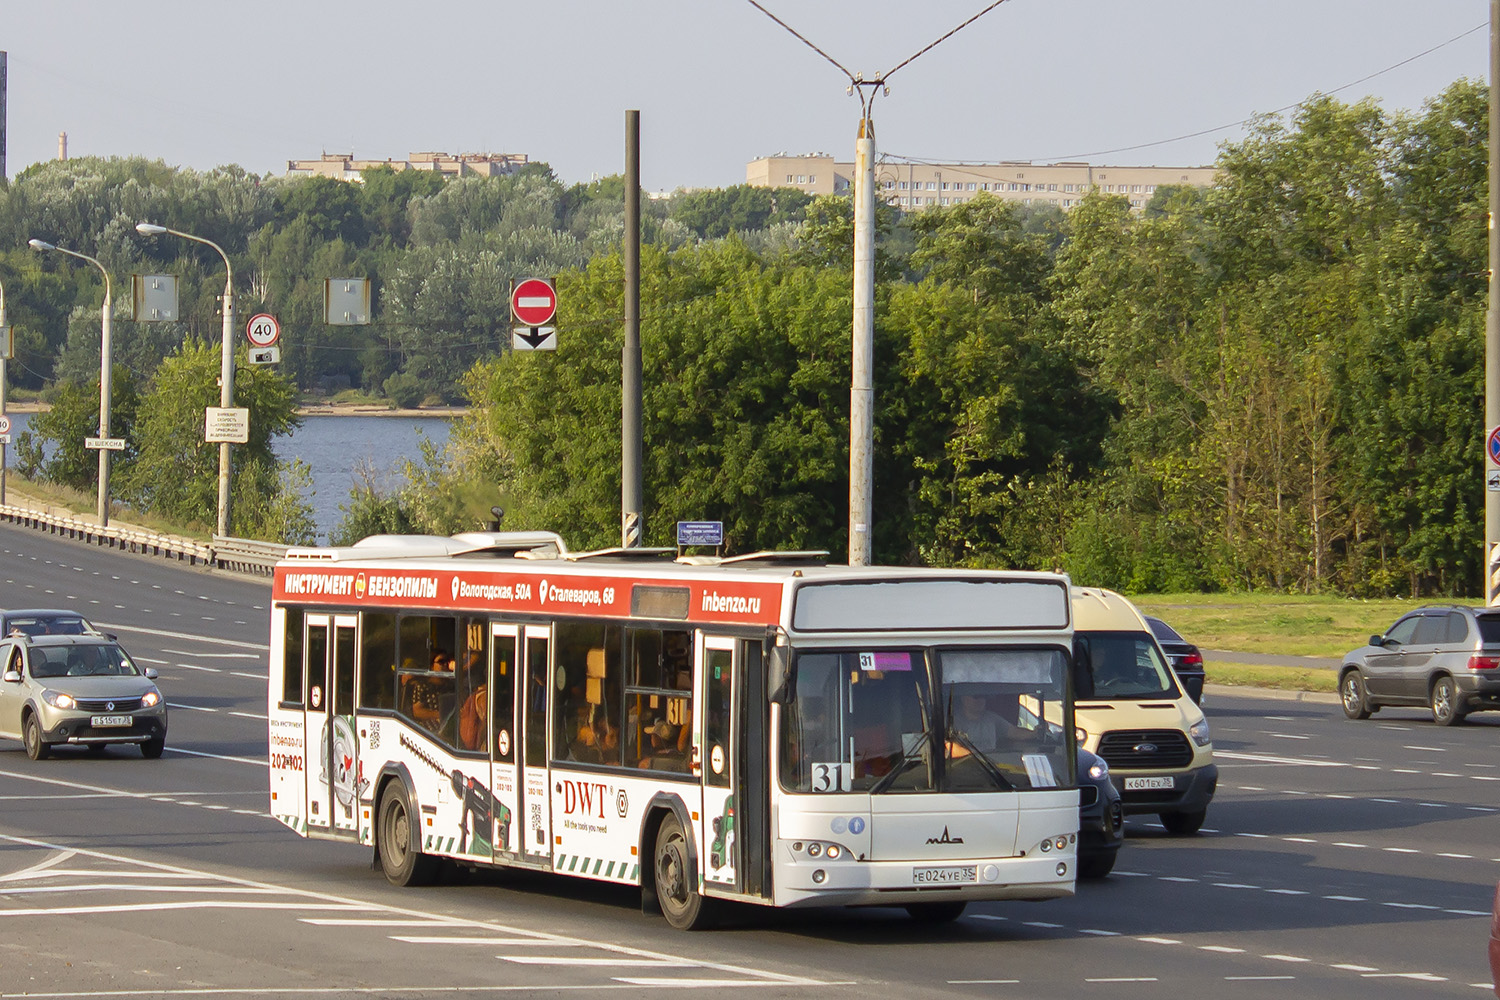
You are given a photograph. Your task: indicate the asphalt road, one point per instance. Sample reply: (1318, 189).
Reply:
(1340, 860)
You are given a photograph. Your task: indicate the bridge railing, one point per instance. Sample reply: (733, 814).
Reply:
(240, 555)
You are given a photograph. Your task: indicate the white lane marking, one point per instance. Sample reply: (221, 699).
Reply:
(1255, 979)
(1354, 968)
(248, 715)
(1286, 958)
(192, 708)
(253, 677)
(1425, 977)
(40, 866)
(373, 922)
(1098, 933)
(626, 963)
(1265, 758)
(213, 656)
(1122, 980)
(36, 890)
(1348, 843)
(184, 904)
(490, 941)
(1462, 857)
(219, 756)
(1347, 899)
(194, 666)
(1040, 923)
(329, 901)
(984, 982)
(215, 640)
(148, 659)
(1428, 749)
(1288, 736)
(1159, 940)
(1221, 949)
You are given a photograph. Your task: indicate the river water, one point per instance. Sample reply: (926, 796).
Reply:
(339, 450)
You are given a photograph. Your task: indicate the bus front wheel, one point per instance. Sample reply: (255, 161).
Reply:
(677, 878)
(401, 858)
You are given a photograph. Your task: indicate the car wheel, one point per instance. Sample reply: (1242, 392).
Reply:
(1183, 824)
(31, 733)
(1095, 866)
(1352, 694)
(152, 749)
(1444, 701)
(936, 913)
(402, 860)
(676, 878)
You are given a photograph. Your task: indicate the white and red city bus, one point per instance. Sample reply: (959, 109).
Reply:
(766, 728)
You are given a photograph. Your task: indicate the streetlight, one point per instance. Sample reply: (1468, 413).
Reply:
(104, 371)
(4, 357)
(226, 363)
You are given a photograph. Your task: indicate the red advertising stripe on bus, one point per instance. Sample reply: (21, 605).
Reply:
(711, 600)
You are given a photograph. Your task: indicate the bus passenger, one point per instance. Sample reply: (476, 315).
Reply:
(472, 719)
(664, 754)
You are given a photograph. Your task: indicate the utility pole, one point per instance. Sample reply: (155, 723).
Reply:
(4, 357)
(1492, 329)
(631, 439)
(862, 374)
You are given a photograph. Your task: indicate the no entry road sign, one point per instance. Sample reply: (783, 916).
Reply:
(534, 302)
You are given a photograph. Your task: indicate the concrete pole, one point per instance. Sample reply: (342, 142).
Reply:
(4, 382)
(226, 391)
(1492, 320)
(862, 382)
(631, 438)
(106, 394)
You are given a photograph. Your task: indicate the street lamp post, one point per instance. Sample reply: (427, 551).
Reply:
(4, 459)
(105, 371)
(226, 362)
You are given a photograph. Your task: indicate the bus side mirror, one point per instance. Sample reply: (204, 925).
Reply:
(781, 683)
(1083, 672)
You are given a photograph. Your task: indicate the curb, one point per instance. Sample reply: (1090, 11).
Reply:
(1272, 694)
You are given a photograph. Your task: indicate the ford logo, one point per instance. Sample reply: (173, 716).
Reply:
(1144, 748)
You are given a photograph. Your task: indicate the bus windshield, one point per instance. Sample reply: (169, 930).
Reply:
(968, 719)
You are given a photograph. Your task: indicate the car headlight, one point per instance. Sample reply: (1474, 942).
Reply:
(1199, 732)
(1098, 770)
(1081, 735)
(59, 700)
(151, 698)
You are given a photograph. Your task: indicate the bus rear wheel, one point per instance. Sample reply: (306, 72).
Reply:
(677, 878)
(401, 859)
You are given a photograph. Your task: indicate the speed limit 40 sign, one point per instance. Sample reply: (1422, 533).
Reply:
(263, 330)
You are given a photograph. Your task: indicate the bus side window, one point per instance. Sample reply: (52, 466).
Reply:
(291, 659)
(377, 666)
(586, 728)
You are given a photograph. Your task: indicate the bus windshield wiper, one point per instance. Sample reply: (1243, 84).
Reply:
(990, 767)
(902, 766)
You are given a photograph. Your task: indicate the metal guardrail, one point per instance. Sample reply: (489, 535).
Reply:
(246, 555)
(239, 555)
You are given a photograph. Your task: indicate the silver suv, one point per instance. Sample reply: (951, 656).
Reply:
(1446, 658)
(80, 689)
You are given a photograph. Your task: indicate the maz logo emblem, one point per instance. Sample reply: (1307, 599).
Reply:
(945, 839)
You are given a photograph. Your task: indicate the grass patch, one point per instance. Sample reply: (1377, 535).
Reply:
(1280, 678)
(59, 499)
(1289, 624)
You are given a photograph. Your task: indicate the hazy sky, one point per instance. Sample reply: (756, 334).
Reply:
(205, 82)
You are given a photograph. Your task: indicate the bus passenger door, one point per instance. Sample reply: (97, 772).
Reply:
(315, 648)
(333, 766)
(534, 812)
(505, 676)
(714, 746)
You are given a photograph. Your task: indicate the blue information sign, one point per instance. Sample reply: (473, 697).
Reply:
(700, 532)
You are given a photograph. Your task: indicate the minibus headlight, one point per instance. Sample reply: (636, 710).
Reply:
(1199, 732)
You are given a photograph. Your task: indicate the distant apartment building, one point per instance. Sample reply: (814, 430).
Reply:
(344, 167)
(918, 185)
